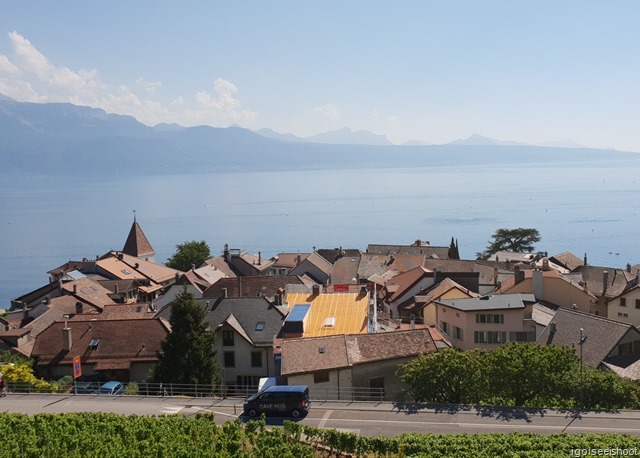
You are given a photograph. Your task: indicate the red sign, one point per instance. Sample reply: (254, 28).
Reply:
(340, 288)
(77, 368)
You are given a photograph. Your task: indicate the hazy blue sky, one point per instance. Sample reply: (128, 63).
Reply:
(536, 71)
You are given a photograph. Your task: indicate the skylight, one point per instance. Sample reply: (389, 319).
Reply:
(94, 343)
(260, 326)
(329, 322)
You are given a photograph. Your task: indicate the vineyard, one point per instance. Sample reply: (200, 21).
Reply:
(78, 435)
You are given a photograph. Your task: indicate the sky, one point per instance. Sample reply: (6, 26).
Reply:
(539, 72)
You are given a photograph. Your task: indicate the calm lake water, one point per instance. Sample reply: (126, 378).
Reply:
(582, 207)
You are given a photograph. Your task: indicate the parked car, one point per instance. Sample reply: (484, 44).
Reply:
(112, 388)
(280, 399)
(86, 388)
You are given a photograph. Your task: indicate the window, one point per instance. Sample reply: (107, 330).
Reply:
(229, 359)
(623, 315)
(489, 318)
(522, 336)
(457, 333)
(623, 302)
(260, 326)
(489, 337)
(256, 359)
(445, 327)
(247, 380)
(227, 338)
(94, 343)
(638, 303)
(321, 377)
(625, 348)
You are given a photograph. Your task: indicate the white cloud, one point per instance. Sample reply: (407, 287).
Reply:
(27, 75)
(330, 111)
(6, 66)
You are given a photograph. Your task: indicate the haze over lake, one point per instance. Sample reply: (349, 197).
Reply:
(587, 206)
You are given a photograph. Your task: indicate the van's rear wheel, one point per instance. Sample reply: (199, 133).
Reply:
(295, 413)
(253, 413)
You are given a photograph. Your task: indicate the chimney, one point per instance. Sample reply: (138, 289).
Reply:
(78, 307)
(315, 289)
(495, 276)
(537, 279)
(585, 259)
(628, 267)
(545, 264)
(47, 300)
(412, 321)
(518, 274)
(75, 289)
(225, 253)
(259, 258)
(66, 337)
(115, 288)
(605, 281)
(224, 292)
(552, 327)
(177, 276)
(298, 260)
(193, 267)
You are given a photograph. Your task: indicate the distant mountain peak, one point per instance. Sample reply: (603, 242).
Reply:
(480, 140)
(347, 136)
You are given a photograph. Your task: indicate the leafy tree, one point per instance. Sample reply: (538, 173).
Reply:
(188, 254)
(518, 240)
(598, 389)
(520, 373)
(188, 354)
(448, 376)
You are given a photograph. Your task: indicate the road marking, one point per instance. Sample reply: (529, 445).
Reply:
(170, 410)
(325, 417)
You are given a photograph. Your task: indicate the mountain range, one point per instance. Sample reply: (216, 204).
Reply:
(61, 138)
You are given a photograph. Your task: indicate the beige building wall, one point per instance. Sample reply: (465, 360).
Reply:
(429, 312)
(338, 386)
(557, 291)
(242, 350)
(514, 321)
(393, 387)
(630, 313)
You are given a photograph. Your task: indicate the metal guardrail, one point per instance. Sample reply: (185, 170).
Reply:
(194, 391)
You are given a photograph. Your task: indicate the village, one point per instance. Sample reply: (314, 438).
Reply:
(338, 320)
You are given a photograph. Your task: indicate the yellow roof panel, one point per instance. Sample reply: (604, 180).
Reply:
(348, 309)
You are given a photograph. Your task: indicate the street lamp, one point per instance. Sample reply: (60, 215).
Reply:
(581, 343)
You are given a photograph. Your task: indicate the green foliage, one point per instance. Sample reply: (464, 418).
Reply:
(10, 357)
(79, 435)
(453, 252)
(20, 378)
(188, 353)
(189, 254)
(132, 389)
(515, 374)
(448, 376)
(520, 240)
(522, 372)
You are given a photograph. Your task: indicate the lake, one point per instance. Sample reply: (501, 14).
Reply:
(586, 207)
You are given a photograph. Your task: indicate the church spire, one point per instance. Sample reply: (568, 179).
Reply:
(137, 243)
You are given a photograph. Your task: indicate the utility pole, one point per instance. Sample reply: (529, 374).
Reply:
(581, 343)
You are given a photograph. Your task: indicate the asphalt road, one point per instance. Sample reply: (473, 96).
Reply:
(368, 418)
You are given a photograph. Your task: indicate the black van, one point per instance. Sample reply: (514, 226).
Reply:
(279, 399)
